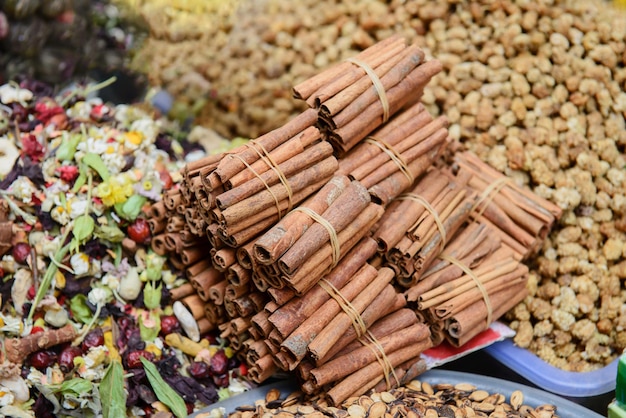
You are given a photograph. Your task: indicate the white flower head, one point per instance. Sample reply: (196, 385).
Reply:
(10, 93)
(80, 263)
(77, 207)
(22, 188)
(98, 296)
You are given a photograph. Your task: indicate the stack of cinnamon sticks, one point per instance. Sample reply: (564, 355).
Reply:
(353, 313)
(417, 225)
(311, 239)
(334, 247)
(520, 218)
(389, 160)
(360, 94)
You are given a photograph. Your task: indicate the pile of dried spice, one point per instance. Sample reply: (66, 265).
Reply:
(86, 324)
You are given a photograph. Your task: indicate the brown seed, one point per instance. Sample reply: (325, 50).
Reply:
(387, 397)
(484, 407)
(272, 395)
(365, 401)
(427, 388)
(305, 409)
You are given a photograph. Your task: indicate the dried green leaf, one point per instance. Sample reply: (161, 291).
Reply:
(112, 391)
(94, 161)
(163, 391)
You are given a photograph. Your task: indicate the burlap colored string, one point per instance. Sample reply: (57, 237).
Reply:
(267, 159)
(489, 194)
(393, 155)
(364, 336)
(334, 239)
(479, 284)
(430, 209)
(378, 85)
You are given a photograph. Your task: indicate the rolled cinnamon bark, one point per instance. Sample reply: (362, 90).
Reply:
(339, 214)
(297, 342)
(295, 163)
(469, 322)
(340, 110)
(369, 376)
(347, 136)
(320, 263)
(203, 280)
(271, 245)
(307, 88)
(342, 366)
(382, 306)
(268, 198)
(262, 369)
(329, 335)
(181, 291)
(292, 147)
(228, 167)
(288, 317)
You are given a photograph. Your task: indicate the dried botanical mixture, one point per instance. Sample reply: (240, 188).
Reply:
(86, 321)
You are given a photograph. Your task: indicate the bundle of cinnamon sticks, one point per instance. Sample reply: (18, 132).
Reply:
(521, 218)
(360, 94)
(416, 225)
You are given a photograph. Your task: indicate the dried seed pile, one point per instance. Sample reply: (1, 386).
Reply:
(416, 399)
(534, 88)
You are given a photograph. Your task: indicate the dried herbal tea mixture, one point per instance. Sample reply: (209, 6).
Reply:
(86, 321)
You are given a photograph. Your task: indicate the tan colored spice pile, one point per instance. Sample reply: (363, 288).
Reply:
(535, 88)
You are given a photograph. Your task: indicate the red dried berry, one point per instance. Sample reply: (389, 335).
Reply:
(68, 173)
(36, 330)
(43, 359)
(67, 356)
(169, 324)
(133, 359)
(221, 381)
(139, 231)
(199, 370)
(95, 338)
(219, 363)
(243, 369)
(21, 252)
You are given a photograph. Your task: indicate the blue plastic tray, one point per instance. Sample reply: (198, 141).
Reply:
(553, 379)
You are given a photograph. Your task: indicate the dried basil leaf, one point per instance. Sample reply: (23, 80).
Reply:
(163, 391)
(112, 391)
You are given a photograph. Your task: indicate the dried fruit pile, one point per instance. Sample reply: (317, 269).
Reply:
(86, 324)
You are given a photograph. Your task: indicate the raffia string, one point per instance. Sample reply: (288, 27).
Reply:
(334, 239)
(267, 186)
(479, 284)
(267, 159)
(378, 85)
(364, 336)
(430, 209)
(489, 194)
(393, 155)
